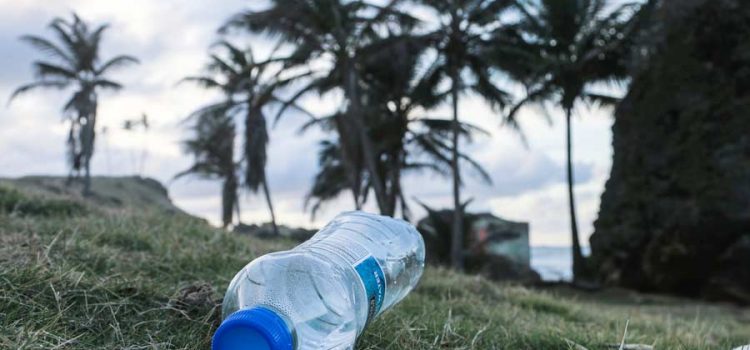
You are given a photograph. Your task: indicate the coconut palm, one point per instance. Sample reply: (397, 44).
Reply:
(426, 147)
(459, 39)
(559, 49)
(336, 32)
(398, 93)
(75, 62)
(394, 91)
(212, 147)
(248, 87)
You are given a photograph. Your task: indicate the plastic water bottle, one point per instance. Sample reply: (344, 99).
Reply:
(323, 293)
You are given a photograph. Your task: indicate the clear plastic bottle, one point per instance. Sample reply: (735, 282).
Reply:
(323, 293)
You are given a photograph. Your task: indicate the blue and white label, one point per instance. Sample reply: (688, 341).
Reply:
(373, 280)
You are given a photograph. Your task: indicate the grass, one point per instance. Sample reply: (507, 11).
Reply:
(152, 278)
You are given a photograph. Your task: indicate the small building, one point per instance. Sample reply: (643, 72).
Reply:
(493, 236)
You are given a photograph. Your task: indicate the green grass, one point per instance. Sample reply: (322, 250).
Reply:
(13, 202)
(152, 278)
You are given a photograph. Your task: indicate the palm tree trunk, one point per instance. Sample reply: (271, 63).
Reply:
(228, 196)
(457, 236)
(368, 149)
(87, 147)
(237, 208)
(87, 178)
(347, 157)
(270, 204)
(394, 182)
(355, 197)
(578, 259)
(73, 157)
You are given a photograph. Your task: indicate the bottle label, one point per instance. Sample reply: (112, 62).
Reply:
(373, 280)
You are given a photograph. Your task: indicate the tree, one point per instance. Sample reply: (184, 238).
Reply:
(394, 93)
(459, 41)
(339, 33)
(559, 49)
(248, 87)
(426, 147)
(75, 62)
(212, 147)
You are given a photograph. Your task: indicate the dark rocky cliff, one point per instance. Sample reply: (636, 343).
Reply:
(675, 214)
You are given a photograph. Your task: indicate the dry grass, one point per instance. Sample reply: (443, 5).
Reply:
(153, 278)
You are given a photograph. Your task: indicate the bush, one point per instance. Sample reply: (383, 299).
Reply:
(13, 202)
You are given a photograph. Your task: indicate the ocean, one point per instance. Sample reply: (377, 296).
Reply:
(554, 263)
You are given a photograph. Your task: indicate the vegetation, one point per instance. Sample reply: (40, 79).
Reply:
(392, 69)
(15, 203)
(561, 50)
(557, 49)
(145, 277)
(76, 62)
(341, 34)
(459, 39)
(248, 89)
(407, 141)
(212, 147)
(350, 35)
(124, 268)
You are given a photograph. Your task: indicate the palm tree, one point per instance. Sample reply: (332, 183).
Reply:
(393, 91)
(212, 147)
(75, 62)
(559, 49)
(397, 92)
(248, 88)
(459, 40)
(339, 32)
(426, 147)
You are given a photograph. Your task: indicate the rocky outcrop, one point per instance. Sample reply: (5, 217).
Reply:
(675, 214)
(113, 193)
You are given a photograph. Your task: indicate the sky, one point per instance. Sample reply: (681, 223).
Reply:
(172, 39)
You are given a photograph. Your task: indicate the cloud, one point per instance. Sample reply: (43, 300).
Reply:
(547, 211)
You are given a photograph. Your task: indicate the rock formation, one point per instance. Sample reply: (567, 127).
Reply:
(675, 214)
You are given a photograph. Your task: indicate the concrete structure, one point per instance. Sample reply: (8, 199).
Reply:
(494, 236)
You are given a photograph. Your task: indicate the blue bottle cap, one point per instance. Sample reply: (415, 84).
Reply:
(253, 329)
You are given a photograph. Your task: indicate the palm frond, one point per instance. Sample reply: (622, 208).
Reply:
(494, 96)
(201, 169)
(94, 42)
(326, 123)
(116, 62)
(221, 65)
(600, 100)
(286, 20)
(49, 48)
(474, 165)
(223, 107)
(38, 84)
(331, 179)
(238, 56)
(539, 94)
(291, 101)
(107, 84)
(61, 29)
(204, 82)
(486, 12)
(43, 70)
(390, 13)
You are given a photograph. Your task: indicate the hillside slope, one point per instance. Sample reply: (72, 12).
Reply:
(78, 274)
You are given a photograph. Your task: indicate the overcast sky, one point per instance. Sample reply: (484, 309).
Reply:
(171, 39)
